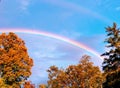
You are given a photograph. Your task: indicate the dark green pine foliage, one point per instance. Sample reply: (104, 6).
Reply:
(111, 63)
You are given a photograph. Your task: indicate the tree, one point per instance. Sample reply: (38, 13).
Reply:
(3, 85)
(111, 63)
(42, 86)
(82, 75)
(15, 63)
(28, 84)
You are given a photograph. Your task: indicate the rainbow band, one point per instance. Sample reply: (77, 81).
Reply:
(51, 35)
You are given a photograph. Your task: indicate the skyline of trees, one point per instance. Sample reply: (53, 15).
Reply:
(82, 75)
(16, 64)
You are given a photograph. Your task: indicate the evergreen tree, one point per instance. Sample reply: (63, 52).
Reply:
(111, 61)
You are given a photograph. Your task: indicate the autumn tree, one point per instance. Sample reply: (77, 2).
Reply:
(111, 63)
(15, 63)
(42, 86)
(3, 85)
(82, 75)
(28, 84)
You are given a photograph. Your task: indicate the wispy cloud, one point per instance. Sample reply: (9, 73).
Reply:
(78, 9)
(48, 52)
(24, 4)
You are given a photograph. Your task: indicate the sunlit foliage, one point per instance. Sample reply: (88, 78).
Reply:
(15, 63)
(28, 84)
(82, 75)
(42, 86)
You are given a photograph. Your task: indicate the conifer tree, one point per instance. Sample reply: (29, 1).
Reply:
(111, 63)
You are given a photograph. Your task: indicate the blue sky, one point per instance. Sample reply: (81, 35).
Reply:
(81, 20)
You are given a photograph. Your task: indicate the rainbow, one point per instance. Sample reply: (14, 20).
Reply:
(51, 35)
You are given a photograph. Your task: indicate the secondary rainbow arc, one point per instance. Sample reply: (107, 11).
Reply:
(51, 35)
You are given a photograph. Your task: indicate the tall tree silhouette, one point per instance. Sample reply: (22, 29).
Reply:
(15, 63)
(111, 63)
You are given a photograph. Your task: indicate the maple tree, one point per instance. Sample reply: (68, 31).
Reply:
(111, 63)
(82, 75)
(15, 63)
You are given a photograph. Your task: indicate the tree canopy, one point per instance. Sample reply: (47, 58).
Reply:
(82, 75)
(112, 57)
(111, 63)
(15, 63)
(28, 84)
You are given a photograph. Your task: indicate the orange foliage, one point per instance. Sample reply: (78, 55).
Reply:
(15, 63)
(42, 86)
(83, 75)
(29, 85)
